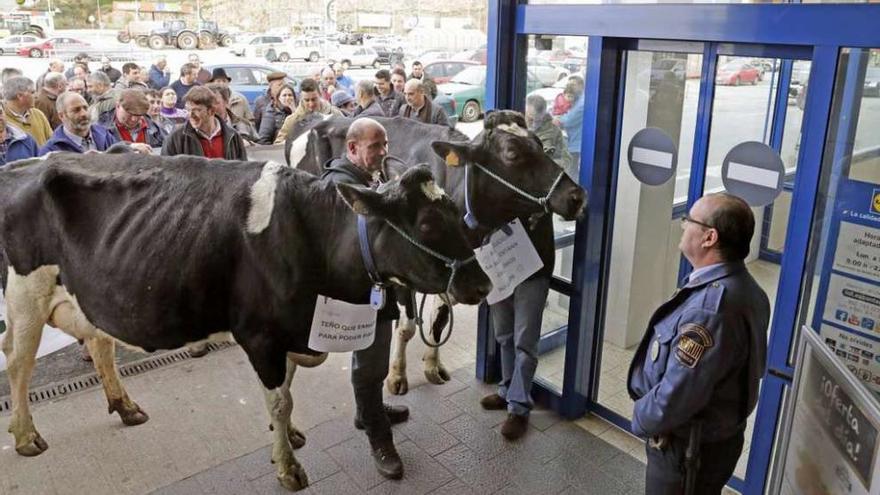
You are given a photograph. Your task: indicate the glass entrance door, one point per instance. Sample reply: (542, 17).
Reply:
(705, 99)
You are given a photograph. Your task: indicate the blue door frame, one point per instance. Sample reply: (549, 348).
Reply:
(776, 30)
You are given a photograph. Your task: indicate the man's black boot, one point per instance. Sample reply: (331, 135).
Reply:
(396, 414)
(387, 460)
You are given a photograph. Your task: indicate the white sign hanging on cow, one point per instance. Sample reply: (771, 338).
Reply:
(338, 326)
(508, 259)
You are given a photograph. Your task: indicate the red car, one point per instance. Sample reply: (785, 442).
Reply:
(736, 73)
(43, 48)
(442, 71)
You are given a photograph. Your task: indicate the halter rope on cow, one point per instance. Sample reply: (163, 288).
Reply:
(451, 263)
(471, 219)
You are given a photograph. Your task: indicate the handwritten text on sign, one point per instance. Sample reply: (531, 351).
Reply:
(508, 259)
(338, 326)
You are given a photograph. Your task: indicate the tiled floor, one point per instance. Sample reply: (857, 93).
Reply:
(449, 446)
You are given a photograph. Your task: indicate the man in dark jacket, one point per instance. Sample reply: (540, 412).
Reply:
(187, 81)
(366, 146)
(204, 133)
(76, 133)
(389, 99)
(15, 144)
(53, 85)
(112, 72)
(276, 81)
(159, 74)
(419, 107)
(367, 105)
(129, 122)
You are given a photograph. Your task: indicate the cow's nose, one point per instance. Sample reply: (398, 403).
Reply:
(577, 201)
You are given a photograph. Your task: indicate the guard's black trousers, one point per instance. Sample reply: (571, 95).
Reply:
(665, 474)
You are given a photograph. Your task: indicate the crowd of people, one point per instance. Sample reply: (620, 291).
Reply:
(72, 108)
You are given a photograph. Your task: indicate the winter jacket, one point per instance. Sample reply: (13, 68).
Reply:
(158, 78)
(155, 135)
(60, 141)
(36, 124)
(273, 119)
(185, 141)
(19, 146)
(374, 109)
(45, 101)
(289, 123)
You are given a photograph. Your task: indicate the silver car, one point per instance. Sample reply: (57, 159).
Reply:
(11, 44)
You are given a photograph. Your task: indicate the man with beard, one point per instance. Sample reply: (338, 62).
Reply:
(76, 132)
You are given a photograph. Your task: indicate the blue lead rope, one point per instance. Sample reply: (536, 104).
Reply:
(366, 253)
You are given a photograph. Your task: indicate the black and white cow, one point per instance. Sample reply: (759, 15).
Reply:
(505, 148)
(159, 252)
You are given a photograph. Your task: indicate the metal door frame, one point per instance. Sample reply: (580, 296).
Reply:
(611, 28)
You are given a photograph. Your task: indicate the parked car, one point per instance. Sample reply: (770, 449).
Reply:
(872, 82)
(249, 79)
(11, 44)
(736, 73)
(479, 55)
(296, 49)
(546, 72)
(550, 94)
(257, 46)
(442, 71)
(468, 89)
(359, 57)
(432, 55)
(43, 47)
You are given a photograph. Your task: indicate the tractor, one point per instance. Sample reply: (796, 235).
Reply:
(174, 33)
(211, 36)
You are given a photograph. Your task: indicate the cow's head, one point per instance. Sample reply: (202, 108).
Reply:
(422, 211)
(510, 151)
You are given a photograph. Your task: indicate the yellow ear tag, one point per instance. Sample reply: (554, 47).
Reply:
(452, 159)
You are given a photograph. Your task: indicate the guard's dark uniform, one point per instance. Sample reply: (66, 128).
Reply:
(369, 366)
(701, 360)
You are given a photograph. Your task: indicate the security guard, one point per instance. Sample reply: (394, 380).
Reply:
(366, 145)
(695, 375)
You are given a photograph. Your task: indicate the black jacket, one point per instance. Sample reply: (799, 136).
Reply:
(185, 141)
(342, 171)
(271, 121)
(374, 109)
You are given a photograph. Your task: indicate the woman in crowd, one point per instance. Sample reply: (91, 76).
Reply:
(168, 109)
(275, 112)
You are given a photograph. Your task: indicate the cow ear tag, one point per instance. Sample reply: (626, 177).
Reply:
(377, 297)
(452, 159)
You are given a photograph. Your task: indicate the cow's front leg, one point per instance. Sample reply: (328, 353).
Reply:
(396, 382)
(279, 404)
(297, 438)
(435, 372)
(103, 351)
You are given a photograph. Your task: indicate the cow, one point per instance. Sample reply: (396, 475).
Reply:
(159, 252)
(505, 148)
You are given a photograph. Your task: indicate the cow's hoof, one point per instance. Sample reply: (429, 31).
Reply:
(397, 384)
(295, 480)
(31, 445)
(296, 437)
(130, 413)
(437, 374)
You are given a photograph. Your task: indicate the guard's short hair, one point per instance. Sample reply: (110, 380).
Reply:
(365, 87)
(186, 69)
(129, 66)
(734, 221)
(201, 95)
(308, 85)
(221, 89)
(99, 77)
(54, 80)
(383, 74)
(14, 86)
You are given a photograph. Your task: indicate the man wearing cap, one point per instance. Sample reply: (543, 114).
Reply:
(276, 80)
(343, 102)
(76, 132)
(159, 74)
(129, 121)
(237, 103)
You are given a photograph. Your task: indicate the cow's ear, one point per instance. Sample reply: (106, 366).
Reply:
(454, 154)
(362, 200)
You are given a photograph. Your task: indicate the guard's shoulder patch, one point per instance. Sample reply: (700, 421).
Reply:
(693, 341)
